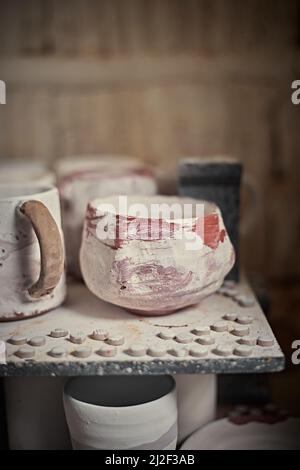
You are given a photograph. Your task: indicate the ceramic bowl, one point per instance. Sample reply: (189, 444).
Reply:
(152, 262)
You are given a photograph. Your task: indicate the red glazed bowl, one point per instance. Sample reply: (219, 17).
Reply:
(154, 255)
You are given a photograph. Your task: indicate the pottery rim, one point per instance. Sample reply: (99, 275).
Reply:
(169, 391)
(69, 165)
(25, 191)
(35, 168)
(209, 206)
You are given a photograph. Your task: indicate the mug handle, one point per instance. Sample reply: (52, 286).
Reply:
(51, 246)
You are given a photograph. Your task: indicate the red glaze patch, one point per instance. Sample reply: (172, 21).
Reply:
(132, 228)
(212, 233)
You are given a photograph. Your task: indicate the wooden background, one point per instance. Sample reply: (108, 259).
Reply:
(161, 79)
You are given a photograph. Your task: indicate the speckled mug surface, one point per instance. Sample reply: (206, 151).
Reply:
(122, 413)
(157, 265)
(32, 279)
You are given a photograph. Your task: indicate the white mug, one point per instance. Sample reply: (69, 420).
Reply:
(83, 178)
(122, 412)
(32, 277)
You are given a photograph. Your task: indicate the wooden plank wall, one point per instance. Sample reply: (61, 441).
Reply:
(160, 79)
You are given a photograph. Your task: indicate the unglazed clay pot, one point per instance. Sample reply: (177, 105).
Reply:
(149, 264)
(26, 171)
(32, 277)
(118, 413)
(81, 179)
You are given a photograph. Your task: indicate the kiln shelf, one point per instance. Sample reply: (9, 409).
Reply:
(216, 336)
